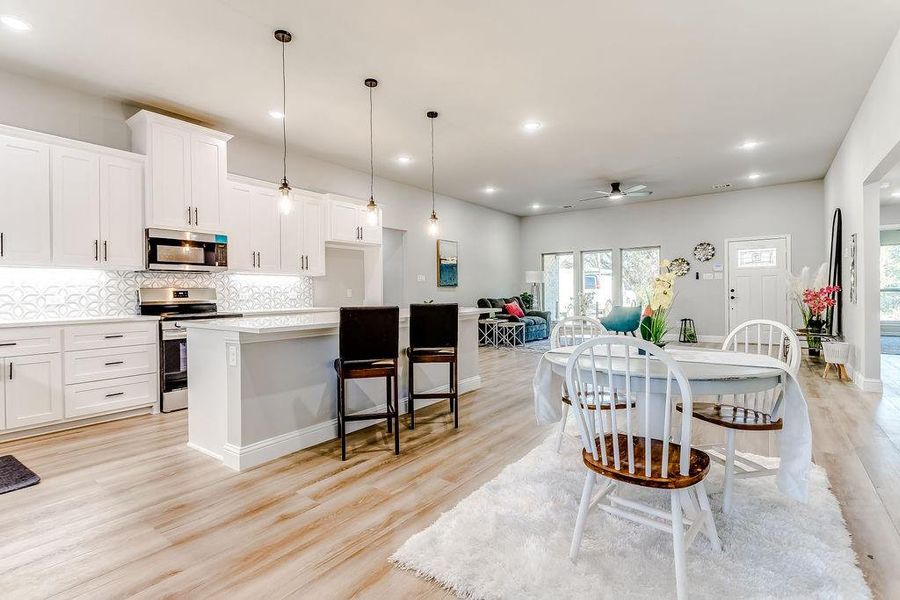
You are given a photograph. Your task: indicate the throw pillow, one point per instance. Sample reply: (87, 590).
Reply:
(514, 309)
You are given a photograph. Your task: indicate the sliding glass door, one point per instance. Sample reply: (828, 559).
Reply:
(640, 266)
(559, 283)
(597, 282)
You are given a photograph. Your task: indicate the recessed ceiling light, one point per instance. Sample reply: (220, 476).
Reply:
(895, 194)
(535, 206)
(404, 159)
(15, 23)
(885, 185)
(276, 114)
(749, 145)
(568, 206)
(490, 189)
(721, 186)
(753, 176)
(531, 126)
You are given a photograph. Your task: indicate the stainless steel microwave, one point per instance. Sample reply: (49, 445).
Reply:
(178, 250)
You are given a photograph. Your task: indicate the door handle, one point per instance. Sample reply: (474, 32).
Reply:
(196, 216)
(731, 290)
(105, 252)
(189, 216)
(732, 297)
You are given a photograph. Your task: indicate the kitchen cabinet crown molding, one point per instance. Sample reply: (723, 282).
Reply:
(55, 140)
(144, 117)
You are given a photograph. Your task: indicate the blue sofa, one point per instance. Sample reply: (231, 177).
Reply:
(537, 322)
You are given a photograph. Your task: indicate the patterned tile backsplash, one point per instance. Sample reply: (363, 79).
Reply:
(73, 293)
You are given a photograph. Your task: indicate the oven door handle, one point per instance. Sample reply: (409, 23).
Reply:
(174, 335)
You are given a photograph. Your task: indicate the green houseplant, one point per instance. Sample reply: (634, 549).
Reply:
(655, 318)
(527, 300)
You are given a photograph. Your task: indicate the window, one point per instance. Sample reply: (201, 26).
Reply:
(757, 257)
(640, 266)
(890, 282)
(559, 284)
(597, 282)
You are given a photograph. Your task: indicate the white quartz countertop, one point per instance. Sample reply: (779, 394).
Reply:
(308, 321)
(76, 321)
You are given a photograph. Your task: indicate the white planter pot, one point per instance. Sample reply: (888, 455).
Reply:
(836, 353)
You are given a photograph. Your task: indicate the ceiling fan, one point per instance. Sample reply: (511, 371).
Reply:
(616, 193)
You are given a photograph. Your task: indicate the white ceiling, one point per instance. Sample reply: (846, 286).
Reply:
(655, 92)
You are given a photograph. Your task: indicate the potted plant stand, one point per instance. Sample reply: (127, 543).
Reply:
(836, 355)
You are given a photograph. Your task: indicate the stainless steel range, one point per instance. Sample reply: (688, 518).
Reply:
(172, 305)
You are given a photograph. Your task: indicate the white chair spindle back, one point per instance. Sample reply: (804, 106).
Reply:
(772, 339)
(572, 331)
(613, 362)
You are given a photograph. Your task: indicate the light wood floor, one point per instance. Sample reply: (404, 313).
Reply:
(126, 509)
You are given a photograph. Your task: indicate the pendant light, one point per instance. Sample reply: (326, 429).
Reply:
(371, 207)
(284, 189)
(432, 220)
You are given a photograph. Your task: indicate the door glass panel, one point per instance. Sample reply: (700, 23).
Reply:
(559, 284)
(749, 258)
(597, 281)
(640, 266)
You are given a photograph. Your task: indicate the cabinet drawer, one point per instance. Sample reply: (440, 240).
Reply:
(95, 365)
(20, 341)
(83, 399)
(109, 335)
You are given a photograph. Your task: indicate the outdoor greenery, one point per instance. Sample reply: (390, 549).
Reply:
(890, 283)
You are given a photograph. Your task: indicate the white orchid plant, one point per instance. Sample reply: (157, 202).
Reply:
(654, 319)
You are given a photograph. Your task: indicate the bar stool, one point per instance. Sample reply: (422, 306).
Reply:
(368, 343)
(433, 338)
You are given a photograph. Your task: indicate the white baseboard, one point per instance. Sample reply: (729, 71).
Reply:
(251, 455)
(864, 383)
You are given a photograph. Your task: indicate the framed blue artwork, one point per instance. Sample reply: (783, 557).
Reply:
(447, 263)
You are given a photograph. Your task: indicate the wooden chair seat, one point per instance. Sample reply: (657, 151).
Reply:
(431, 355)
(604, 403)
(740, 417)
(699, 464)
(361, 369)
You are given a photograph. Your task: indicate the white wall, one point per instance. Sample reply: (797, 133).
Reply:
(890, 214)
(487, 238)
(678, 225)
(869, 150)
(345, 272)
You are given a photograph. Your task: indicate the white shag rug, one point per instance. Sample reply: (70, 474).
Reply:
(510, 539)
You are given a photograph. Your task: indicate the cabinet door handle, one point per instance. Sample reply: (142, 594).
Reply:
(10, 370)
(1, 243)
(114, 362)
(196, 216)
(189, 216)
(114, 394)
(105, 250)
(114, 336)
(253, 258)
(259, 260)
(8, 343)
(97, 250)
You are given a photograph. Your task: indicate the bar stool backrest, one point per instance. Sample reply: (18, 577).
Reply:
(433, 325)
(369, 333)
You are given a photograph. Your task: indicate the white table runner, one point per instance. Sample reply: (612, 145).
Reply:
(794, 439)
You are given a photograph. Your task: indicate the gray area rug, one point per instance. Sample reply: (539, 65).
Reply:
(14, 475)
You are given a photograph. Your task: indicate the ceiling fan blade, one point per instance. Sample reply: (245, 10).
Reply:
(634, 188)
(594, 198)
(636, 194)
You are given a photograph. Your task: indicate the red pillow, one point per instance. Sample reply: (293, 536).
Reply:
(514, 309)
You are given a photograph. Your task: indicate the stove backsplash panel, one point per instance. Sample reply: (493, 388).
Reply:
(72, 293)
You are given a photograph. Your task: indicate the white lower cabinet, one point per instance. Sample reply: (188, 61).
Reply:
(33, 393)
(95, 397)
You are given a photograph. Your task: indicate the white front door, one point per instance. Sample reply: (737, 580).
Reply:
(756, 283)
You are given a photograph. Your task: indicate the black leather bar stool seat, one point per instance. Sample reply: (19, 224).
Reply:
(369, 338)
(433, 338)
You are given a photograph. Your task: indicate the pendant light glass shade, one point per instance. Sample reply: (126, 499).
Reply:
(433, 228)
(286, 203)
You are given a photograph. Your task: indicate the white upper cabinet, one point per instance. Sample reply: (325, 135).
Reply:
(236, 224)
(348, 223)
(265, 229)
(303, 236)
(187, 169)
(25, 202)
(251, 220)
(97, 208)
(76, 207)
(122, 212)
(312, 208)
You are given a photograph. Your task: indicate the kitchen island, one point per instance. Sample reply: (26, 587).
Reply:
(262, 387)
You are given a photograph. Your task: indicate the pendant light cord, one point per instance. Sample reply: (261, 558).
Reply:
(432, 166)
(371, 147)
(284, 114)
